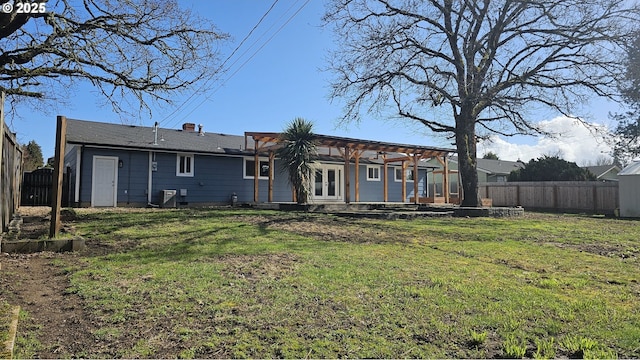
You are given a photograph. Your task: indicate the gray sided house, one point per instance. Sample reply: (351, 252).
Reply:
(604, 172)
(113, 165)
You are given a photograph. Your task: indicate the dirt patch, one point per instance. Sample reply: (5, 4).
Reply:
(256, 267)
(34, 282)
(38, 286)
(329, 228)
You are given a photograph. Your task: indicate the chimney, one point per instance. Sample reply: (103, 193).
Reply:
(190, 127)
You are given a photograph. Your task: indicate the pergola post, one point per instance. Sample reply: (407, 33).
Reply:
(272, 156)
(445, 180)
(404, 181)
(384, 179)
(356, 154)
(256, 173)
(347, 176)
(415, 179)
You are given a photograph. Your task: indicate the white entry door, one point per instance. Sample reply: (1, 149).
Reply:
(104, 182)
(327, 183)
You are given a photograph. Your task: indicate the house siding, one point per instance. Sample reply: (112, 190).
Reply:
(215, 179)
(132, 176)
(373, 191)
(370, 191)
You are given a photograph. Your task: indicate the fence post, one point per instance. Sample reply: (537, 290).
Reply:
(56, 201)
(2, 224)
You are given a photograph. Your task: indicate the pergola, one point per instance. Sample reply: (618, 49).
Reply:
(352, 149)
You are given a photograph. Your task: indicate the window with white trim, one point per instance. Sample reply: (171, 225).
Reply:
(373, 173)
(250, 168)
(184, 165)
(398, 174)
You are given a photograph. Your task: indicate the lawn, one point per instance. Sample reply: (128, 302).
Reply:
(263, 284)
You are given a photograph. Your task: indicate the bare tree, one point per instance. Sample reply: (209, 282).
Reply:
(465, 68)
(600, 160)
(133, 51)
(627, 134)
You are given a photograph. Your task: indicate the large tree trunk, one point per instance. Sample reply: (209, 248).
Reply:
(467, 159)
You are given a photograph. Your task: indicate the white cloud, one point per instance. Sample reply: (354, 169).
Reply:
(574, 142)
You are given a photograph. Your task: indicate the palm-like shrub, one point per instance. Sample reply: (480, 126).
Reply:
(297, 154)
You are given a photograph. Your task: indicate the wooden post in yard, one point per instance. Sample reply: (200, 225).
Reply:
(1, 165)
(58, 168)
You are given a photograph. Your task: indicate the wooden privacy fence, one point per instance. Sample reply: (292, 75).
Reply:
(11, 178)
(560, 196)
(37, 187)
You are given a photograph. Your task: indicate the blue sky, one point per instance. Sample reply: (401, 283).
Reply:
(266, 88)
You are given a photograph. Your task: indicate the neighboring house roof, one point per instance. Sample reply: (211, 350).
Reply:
(601, 170)
(499, 167)
(495, 167)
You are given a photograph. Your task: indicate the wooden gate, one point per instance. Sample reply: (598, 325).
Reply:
(36, 187)
(37, 190)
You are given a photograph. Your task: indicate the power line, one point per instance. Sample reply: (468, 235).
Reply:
(221, 67)
(246, 61)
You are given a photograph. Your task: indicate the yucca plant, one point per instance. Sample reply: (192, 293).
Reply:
(297, 154)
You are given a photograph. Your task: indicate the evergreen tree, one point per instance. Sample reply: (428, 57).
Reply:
(551, 168)
(491, 156)
(32, 155)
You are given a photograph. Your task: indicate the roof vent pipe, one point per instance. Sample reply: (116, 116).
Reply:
(200, 131)
(155, 133)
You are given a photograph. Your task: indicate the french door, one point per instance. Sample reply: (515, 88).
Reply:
(328, 182)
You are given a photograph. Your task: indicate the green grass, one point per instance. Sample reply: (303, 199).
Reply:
(260, 284)
(5, 321)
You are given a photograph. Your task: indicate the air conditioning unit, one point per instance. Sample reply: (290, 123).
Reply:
(168, 199)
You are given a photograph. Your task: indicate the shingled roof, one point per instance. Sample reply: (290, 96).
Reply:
(142, 137)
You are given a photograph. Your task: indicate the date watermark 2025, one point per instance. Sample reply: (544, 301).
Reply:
(24, 8)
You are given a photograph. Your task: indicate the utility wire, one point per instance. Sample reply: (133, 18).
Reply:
(246, 61)
(221, 67)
